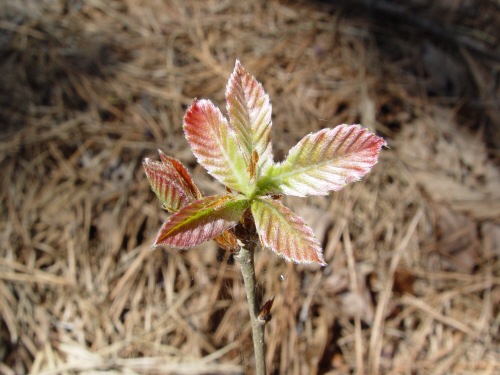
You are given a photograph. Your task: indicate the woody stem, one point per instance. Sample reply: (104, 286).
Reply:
(246, 259)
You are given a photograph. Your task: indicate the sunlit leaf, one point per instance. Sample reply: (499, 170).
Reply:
(238, 153)
(172, 183)
(249, 111)
(167, 185)
(201, 220)
(185, 178)
(215, 146)
(325, 161)
(285, 233)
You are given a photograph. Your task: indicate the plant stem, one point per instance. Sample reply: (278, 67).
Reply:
(246, 259)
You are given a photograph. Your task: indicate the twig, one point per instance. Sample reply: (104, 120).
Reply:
(246, 259)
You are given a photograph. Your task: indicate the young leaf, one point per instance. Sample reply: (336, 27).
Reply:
(285, 233)
(325, 161)
(188, 184)
(167, 185)
(173, 184)
(215, 145)
(227, 240)
(201, 220)
(249, 111)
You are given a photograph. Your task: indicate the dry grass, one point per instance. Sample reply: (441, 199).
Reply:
(89, 88)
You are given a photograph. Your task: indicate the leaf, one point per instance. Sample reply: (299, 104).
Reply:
(184, 177)
(285, 233)
(325, 161)
(227, 240)
(201, 220)
(215, 146)
(167, 185)
(249, 111)
(170, 178)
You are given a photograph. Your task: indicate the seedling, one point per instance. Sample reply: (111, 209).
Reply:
(238, 153)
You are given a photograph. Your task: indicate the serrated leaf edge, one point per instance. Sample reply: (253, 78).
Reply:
(297, 227)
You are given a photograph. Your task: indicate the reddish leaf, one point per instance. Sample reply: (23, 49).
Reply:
(167, 185)
(215, 145)
(201, 220)
(325, 161)
(185, 178)
(249, 111)
(227, 240)
(175, 187)
(285, 233)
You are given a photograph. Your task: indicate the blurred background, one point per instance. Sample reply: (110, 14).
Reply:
(90, 88)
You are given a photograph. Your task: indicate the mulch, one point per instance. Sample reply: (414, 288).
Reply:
(90, 88)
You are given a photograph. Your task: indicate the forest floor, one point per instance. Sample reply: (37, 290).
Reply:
(90, 88)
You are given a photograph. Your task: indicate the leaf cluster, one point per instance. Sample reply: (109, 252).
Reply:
(237, 151)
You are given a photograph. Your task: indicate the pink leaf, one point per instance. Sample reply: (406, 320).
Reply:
(175, 187)
(326, 161)
(201, 220)
(184, 177)
(167, 185)
(249, 111)
(285, 233)
(215, 145)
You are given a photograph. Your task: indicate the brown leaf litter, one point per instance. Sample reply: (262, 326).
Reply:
(89, 88)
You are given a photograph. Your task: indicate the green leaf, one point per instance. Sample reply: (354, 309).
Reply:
(201, 220)
(285, 233)
(215, 145)
(249, 111)
(324, 161)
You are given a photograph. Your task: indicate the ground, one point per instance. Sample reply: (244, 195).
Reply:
(90, 88)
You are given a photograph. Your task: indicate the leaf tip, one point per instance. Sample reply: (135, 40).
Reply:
(315, 258)
(321, 261)
(238, 66)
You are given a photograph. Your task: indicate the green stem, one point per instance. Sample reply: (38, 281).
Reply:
(246, 259)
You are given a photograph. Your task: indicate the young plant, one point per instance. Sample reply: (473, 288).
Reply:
(238, 153)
